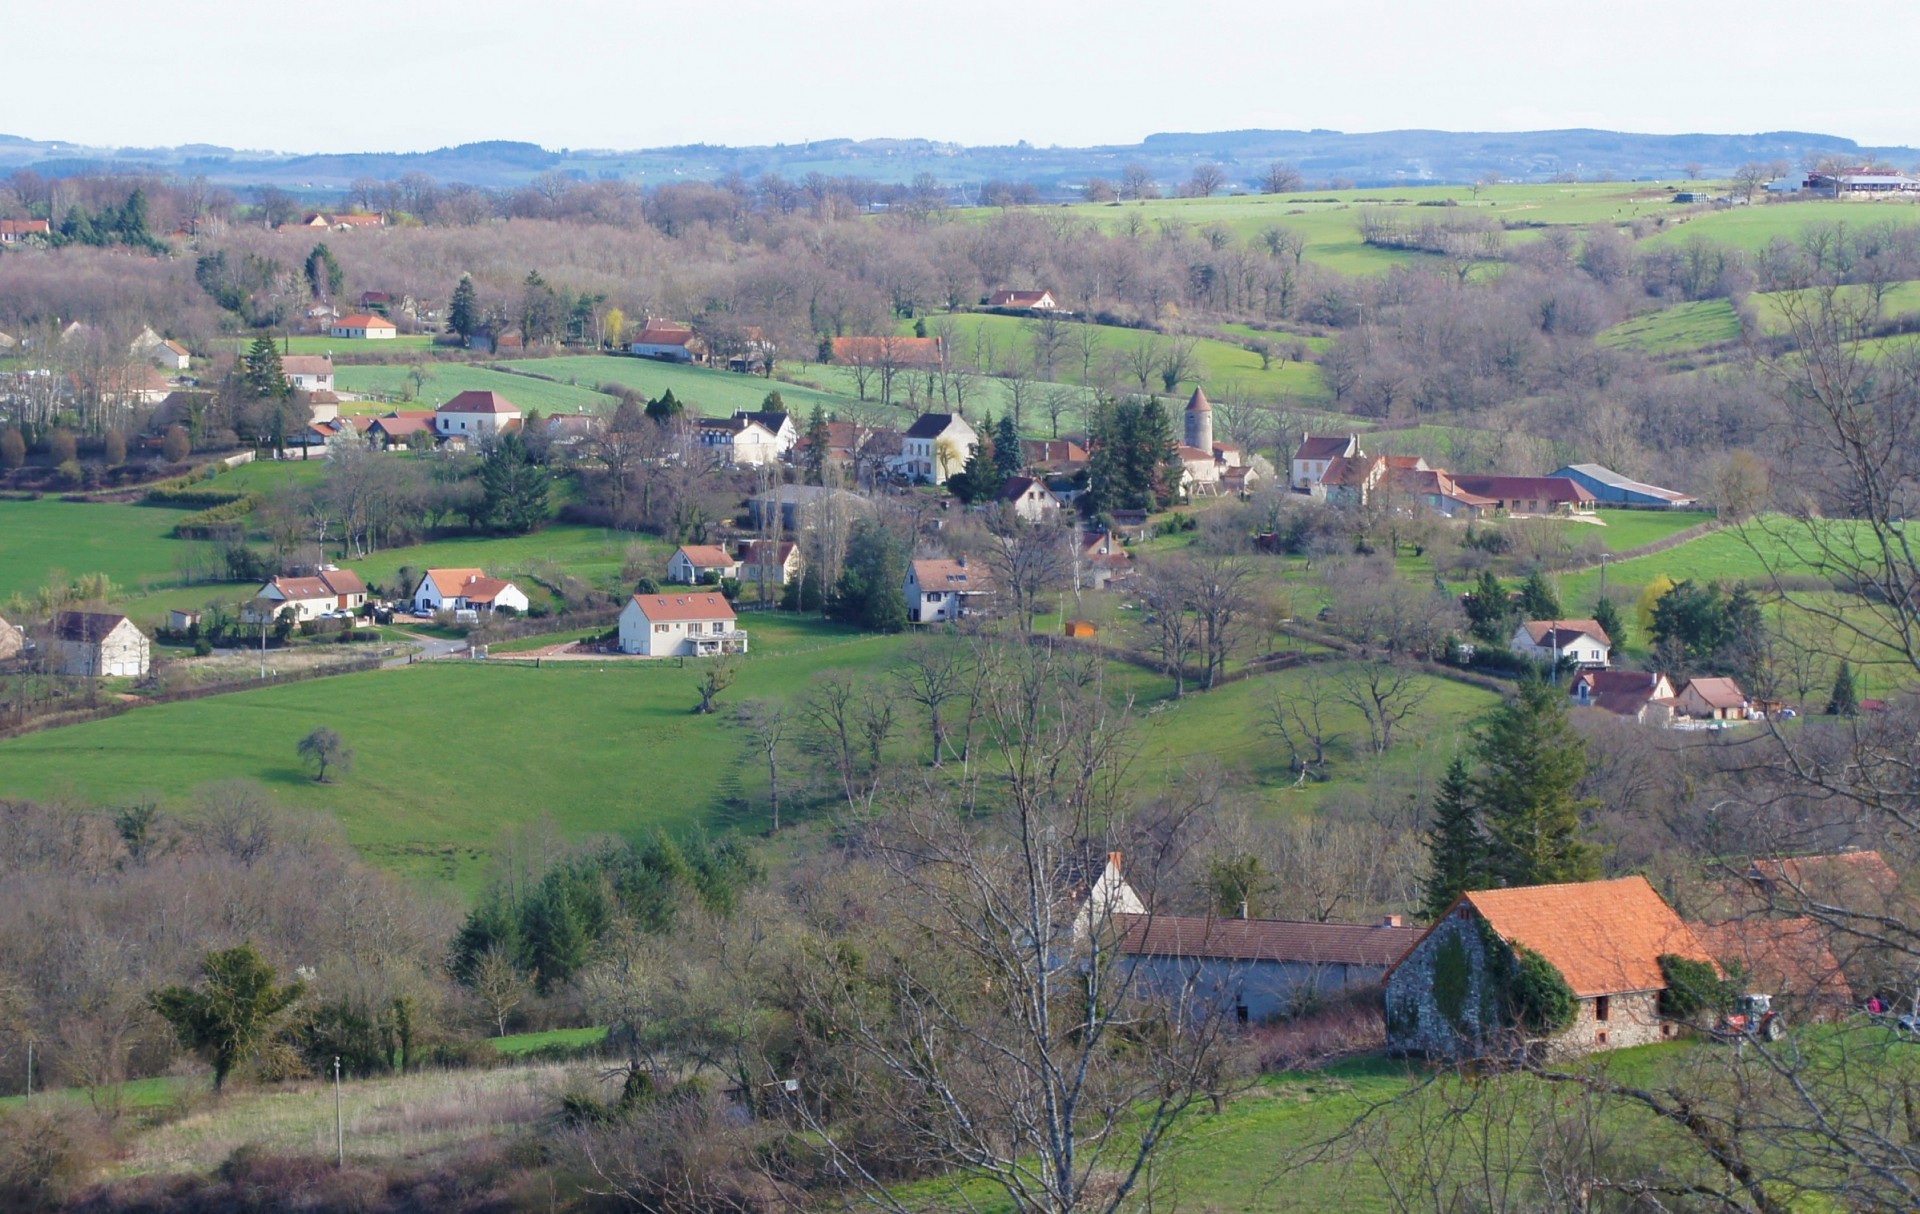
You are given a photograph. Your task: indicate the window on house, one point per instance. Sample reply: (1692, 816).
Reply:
(659, 627)
(1240, 1013)
(1602, 1008)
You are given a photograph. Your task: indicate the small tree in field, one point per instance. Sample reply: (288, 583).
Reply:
(232, 1013)
(13, 448)
(1845, 700)
(324, 748)
(176, 446)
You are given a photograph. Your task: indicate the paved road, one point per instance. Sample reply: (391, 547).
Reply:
(425, 648)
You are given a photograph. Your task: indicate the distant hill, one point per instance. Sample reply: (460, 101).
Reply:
(1374, 158)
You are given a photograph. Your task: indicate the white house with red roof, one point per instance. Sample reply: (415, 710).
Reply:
(307, 598)
(1315, 452)
(364, 324)
(466, 590)
(307, 372)
(1576, 643)
(665, 340)
(1030, 499)
(692, 564)
(475, 413)
(773, 562)
(942, 590)
(680, 625)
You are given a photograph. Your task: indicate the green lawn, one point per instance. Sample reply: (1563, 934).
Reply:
(127, 543)
(1683, 327)
(451, 754)
(703, 390)
(1631, 528)
(343, 349)
(446, 380)
(522, 1043)
(1754, 227)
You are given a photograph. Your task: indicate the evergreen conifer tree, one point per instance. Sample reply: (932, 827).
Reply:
(1532, 765)
(1537, 598)
(463, 312)
(1845, 700)
(1608, 616)
(1456, 850)
(1006, 449)
(261, 371)
(819, 438)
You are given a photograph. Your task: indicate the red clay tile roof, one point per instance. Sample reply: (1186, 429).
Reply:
(1603, 682)
(363, 321)
(1051, 450)
(766, 552)
(1779, 956)
(328, 584)
(475, 401)
(1198, 402)
(679, 608)
(949, 575)
(1265, 940)
(1717, 693)
(1512, 488)
(447, 582)
(402, 425)
(1603, 936)
(25, 227)
(484, 589)
(1323, 446)
(707, 556)
(662, 333)
(306, 364)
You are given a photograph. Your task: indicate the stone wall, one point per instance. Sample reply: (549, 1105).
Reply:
(1439, 1000)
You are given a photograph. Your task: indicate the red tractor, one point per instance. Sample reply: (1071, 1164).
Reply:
(1752, 1019)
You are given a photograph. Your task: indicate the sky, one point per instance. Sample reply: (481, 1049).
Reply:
(421, 74)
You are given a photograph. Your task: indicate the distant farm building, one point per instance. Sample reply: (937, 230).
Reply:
(1610, 488)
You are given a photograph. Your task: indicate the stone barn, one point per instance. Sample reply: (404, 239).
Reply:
(1605, 938)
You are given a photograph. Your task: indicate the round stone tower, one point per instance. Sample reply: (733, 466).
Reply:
(1200, 422)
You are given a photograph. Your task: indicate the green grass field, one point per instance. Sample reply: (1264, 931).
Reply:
(1675, 330)
(451, 754)
(343, 349)
(705, 391)
(515, 1044)
(1631, 528)
(1754, 227)
(446, 380)
(127, 543)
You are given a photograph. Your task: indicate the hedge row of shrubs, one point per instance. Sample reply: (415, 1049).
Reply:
(194, 495)
(221, 521)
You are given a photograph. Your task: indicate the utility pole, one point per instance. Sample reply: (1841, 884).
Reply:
(29, 1070)
(339, 1118)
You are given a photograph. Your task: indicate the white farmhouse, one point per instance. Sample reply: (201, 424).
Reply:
(739, 441)
(306, 598)
(364, 325)
(941, 590)
(935, 447)
(308, 372)
(1575, 643)
(1315, 452)
(680, 625)
(98, 644)
(692, 564)
(474, 413)
(780, 425)
(466, 590)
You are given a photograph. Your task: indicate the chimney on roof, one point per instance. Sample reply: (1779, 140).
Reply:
(1116, 860)
(963, 560)
(1391, 921)
(1243, 909)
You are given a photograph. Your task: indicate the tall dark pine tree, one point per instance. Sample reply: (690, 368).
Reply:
(1607, 614)
(1456, 850)
(1845, 700)
(819, 439)
(1488, 608)
(463, 312)
(261, 371)
(1537, 598)
(1158, 452)
(1532, 764)
(513, 488)
(1007, 459)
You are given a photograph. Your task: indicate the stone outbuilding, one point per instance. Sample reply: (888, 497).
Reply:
(1257, 969)
(1605, 937)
